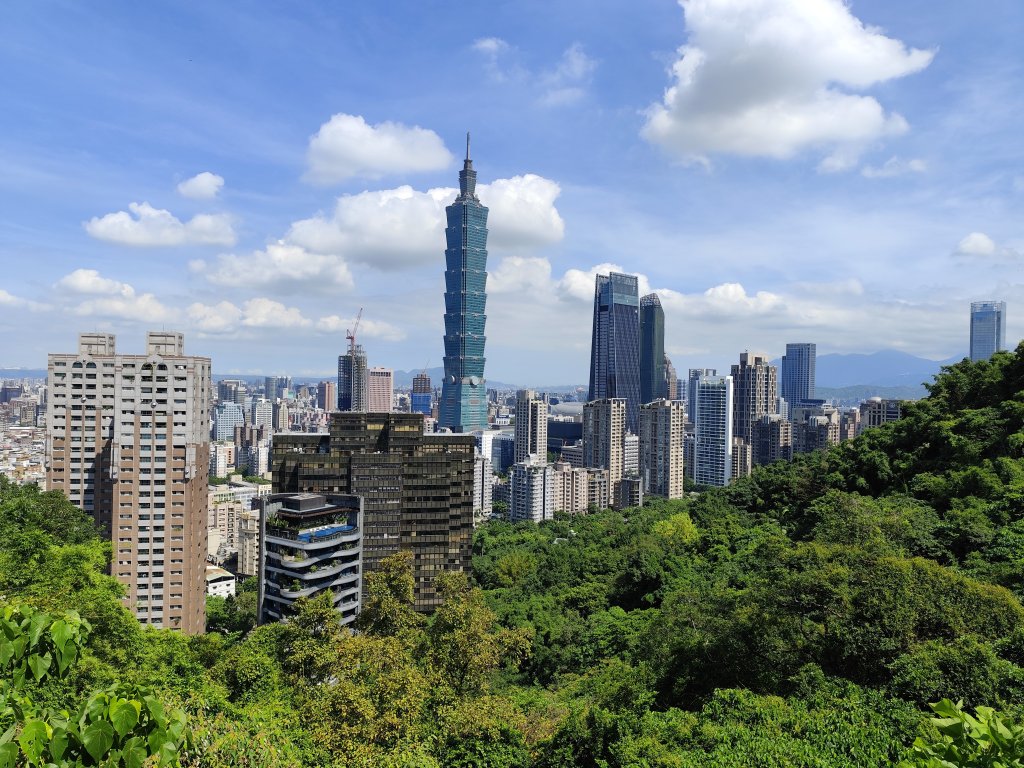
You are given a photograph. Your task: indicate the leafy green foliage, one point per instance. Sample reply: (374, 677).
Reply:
(983, 740)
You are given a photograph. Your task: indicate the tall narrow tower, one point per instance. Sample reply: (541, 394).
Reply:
(463, 406)
(988, 334)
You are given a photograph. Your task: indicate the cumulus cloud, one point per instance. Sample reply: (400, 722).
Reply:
(202, 186)
(894, 166)
(771, 78)
(579, 284)
(144, 225)
(368, 327)
(346, 146)
(976, 244)
(281, 266)
(566, 83)
(261, 312)
(89, 281)
(519, 275)
(396, 228)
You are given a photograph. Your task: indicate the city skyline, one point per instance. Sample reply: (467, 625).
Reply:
(253, 185)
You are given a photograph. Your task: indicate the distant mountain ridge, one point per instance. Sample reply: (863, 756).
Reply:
(887, 368)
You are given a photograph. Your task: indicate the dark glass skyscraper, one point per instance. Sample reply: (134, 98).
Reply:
(615, 347)
(422, 394)
(798, 365)
(987, 328)
(652, 349)
(463, 406)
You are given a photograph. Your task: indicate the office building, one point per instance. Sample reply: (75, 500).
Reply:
(615, 344)
(352, 381)
(652, 349)
(876, 411)
(755, 394)
(128, 442)
(463, 406)
(417, 489)
(312, 547)
(231, 391)
(662, 426)
(988, 328)
(798, 371)
(227, 416)
(422, 394)
(503, 451)
(712, 449)
(531, 427)
(381, 390)
(531, 489)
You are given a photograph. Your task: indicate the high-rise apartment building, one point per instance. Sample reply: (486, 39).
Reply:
(755, 393)
(615, 343)
(352, 381)
(671, 381)
(662, 426)
(531, 428)
(798, 372)
(327, 396)
(128, 442)
(773, 439)
(381, 390)
(422, 394)
(531, 490)
(876, 411)
(692, 377)
(652, 349)
(417, 489)
(463, 406)
(988, 328)
(712, 449)
(604, 435)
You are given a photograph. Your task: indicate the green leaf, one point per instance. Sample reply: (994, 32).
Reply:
(157, 739)
(58, 743)
(134, 752)
(156, 710)
(39, 665)
(8, 755)
(97, 739)
(33, 739)
(124, 715)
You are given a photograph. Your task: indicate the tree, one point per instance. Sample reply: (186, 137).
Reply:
(388, 609)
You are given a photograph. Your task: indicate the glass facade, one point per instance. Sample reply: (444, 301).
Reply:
(798, 371)
(988, 320)
(615, 346)
(652, 350)
(463, 406)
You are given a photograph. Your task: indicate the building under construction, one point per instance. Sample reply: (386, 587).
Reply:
(417, 489)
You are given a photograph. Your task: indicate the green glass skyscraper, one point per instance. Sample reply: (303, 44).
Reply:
(463, 406)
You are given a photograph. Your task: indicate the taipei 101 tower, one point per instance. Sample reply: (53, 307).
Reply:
(463, 406)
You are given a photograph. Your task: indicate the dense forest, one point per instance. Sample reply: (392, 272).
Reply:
(806, 616)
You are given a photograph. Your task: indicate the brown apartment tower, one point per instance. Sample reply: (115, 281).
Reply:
(127, 440)
(417, 489)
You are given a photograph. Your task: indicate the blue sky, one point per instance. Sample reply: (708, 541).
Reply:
(253, 173)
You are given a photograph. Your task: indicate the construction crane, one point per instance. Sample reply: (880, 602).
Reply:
(351, 334)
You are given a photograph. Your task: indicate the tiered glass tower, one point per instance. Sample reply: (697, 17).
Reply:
(463, 406)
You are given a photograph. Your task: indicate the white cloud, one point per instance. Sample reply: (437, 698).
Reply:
(579, 284)
(368, 328)
(143, 308)
(89, 281)
(566, 84)
(490, 46)
(157, 227)
(346, 146)
(894, 166)
(218, 318)
(519, 275)
(976, 244)
(771, 78)
(202, 186)
(10, 300)
(280, 266)
(396, 228)
(261, 312)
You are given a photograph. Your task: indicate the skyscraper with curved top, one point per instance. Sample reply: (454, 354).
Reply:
(463, 406)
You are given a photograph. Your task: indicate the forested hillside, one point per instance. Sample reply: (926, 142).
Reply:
(805, 616)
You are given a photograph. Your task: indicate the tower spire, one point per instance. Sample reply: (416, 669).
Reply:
(467, 177)
(467, 147)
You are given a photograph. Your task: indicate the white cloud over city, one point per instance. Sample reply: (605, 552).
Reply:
(773, 78)
(146, 226)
